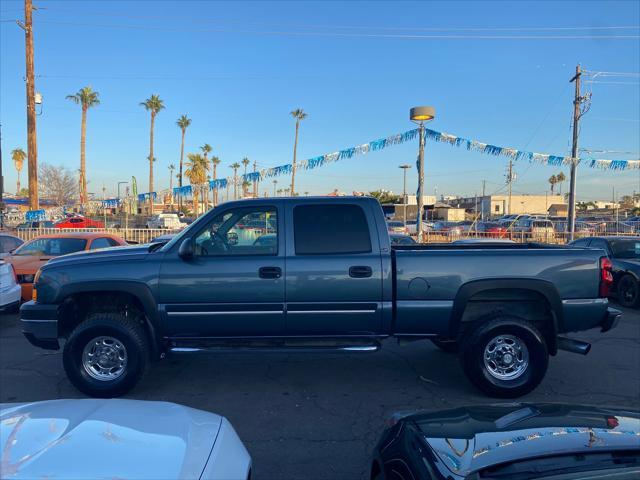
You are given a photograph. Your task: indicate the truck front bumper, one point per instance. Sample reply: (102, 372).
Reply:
(611, 320)
(40, 324)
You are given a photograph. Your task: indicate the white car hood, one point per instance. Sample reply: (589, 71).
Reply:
(95, 438)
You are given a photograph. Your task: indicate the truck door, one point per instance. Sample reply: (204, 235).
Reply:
(333, 270)
(234, 283)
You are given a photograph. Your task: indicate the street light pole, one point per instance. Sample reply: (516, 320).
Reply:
(404, 191)
(420, 115)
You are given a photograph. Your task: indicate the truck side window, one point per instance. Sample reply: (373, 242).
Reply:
(242, 231)
(330, 229)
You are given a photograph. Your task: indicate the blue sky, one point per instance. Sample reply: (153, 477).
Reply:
(238, 69)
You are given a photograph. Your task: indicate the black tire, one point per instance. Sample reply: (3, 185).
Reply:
(628, 291)
(129, 332)
(473, 357)
(448, 347)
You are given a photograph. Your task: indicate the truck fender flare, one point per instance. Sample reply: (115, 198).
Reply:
(542, 287)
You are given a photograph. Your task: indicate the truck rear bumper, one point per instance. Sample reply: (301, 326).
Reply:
(611, 320)
(40, 324)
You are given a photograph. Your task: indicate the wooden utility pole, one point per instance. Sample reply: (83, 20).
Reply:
(32, 148)
(577, 100)
(510, 180)
(255, 181)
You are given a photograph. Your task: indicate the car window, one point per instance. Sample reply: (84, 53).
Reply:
(599, 243)
(330, 229)
(8, 243)
(102, 242)
(625, 248)
(75, 220)
(240, 232)
(52, 246)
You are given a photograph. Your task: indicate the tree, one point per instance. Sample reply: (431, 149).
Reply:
(245, 188)
(552, 181)
(18, 156)
(384, 196)
(235, 167)
(215, 161)
(196, 172)
(560, 178)
(206, 149)
(86, 98)
(183, 123)
(23, 192)
(153, 104)
(299, 115)
(57, 184)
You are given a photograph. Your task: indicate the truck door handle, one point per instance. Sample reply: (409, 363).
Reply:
(360, 272)
(270, 272)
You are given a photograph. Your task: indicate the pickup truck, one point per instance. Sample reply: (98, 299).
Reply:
(315, 274)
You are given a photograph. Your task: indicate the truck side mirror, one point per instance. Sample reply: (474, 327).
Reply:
(186, 251)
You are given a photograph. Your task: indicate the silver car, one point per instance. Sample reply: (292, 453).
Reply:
(132, 439)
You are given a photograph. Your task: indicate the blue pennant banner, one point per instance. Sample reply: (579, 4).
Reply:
(144, 197)
(542, 158)
(111, 203)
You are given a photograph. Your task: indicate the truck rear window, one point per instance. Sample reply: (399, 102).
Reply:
(330, 229)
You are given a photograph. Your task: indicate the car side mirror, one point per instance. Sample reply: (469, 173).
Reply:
(186, 250)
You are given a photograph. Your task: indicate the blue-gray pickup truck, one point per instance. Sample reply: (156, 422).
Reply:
(315, 274)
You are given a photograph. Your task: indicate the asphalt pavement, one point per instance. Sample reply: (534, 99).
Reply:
(308, 416)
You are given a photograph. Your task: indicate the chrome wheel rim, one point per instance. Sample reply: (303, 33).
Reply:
(104, 358)
(506, 357)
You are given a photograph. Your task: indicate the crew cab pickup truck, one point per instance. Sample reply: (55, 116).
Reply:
(315, 274)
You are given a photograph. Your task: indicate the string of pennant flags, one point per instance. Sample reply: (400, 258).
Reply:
(397, 139)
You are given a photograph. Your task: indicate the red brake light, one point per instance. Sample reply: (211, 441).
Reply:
(606, 276)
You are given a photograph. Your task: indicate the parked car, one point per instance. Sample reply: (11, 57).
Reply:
(534, 229)
(523, 441)
(412, 226)
(331, 282)
(169, 221)
(79, 222)
(35, 224)
(8, 243)
(397, 239)
(132, 439)
(624, 253)
(492, 230)
(397, 227)
(451, 229)
(30, 256)
(9, 288)
(482, 240)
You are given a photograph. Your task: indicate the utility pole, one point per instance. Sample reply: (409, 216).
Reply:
(510, 180)
(482, 204)
(255, 181)
(577, 100)
(32, 148)
(2, 209)
(404, 191)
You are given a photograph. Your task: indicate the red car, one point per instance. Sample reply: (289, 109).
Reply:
(79, 222)
(493, 230)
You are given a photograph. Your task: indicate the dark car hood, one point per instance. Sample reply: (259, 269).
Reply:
(470, 439)
(105, 254)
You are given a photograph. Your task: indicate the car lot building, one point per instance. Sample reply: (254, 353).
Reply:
(497, 205)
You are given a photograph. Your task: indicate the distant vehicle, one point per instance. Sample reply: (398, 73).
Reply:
(493, 230)
(397, 239)
(169, 221)
(396, 227)
(521, 441)
(412, 226)
(79, 222)
(270, 240)
(36, 224)
(534, 229)
(467, 241)
(447, 228)
(10, 291)
(8, 243)
(132, 439)
(624, 253)
(32, 255)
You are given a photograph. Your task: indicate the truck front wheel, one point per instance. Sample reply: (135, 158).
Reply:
(106, 355)
(505, 357)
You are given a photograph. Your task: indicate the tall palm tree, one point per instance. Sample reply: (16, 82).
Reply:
(552, 181)
(206, 149)
(153, 104)
(86, 98)
(215, 161)
(245, 188)
(245, 162)
(196, 172)
(183, 123)
(18, 156)
(235, 167)
(299, 115)
(560, 178)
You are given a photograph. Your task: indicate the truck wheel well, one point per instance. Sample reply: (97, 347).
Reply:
(529, 305)
(75, 309)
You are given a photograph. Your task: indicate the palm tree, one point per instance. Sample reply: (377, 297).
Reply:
(152, 104)
(286, 192)
(245, 162)
(87, 98)
(206, 149)
(299, 115)
(560, 178)
(235, 167)
(215, 161)
(275, 184)
(18, 156)
(553, 180)
(245, 187)
(183, 122)
(196, 172)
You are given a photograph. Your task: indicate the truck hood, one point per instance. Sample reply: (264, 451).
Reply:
(96, 438)
(470, 439)
(104, 254)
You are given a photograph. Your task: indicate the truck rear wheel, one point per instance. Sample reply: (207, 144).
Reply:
(506, 357)
(106, 355)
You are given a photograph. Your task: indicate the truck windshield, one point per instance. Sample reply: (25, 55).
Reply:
(625, 248)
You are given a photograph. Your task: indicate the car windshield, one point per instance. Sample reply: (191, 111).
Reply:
(625, 248)
(50, 247)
